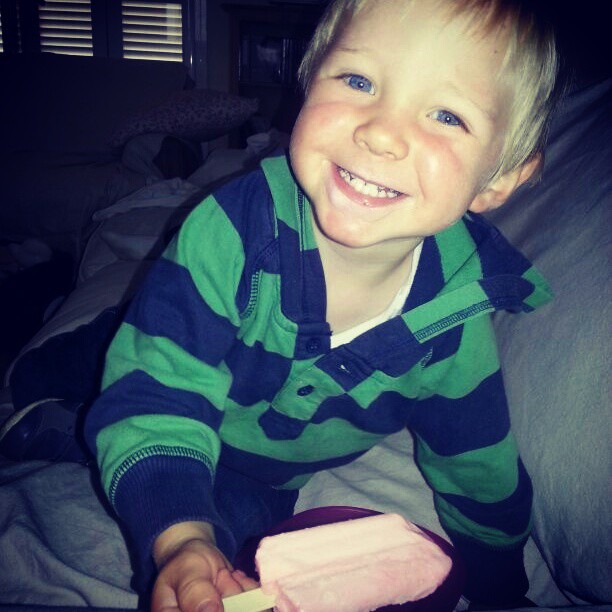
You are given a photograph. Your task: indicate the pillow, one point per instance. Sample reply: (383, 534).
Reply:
(197, 114)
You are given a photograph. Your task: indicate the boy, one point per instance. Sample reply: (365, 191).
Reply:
(311, 308)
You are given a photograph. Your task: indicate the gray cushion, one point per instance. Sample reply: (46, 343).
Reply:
(557, 360)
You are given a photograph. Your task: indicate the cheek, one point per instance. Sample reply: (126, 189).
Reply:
(322, 122)
(441, 165)
(319, 131)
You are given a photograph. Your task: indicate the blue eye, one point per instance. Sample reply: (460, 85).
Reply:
(447, 118)
(358, 82)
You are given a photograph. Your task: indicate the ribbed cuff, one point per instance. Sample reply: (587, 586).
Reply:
(158, 492)
(495, 576)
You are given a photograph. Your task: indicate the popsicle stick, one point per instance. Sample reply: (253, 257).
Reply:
(249, 601)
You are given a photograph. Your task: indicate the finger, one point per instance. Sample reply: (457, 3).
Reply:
(197, 594)
(226, 583)
(247, 583)
(185, 584)
(163, 598)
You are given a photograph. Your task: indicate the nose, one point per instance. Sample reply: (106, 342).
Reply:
(382, 135)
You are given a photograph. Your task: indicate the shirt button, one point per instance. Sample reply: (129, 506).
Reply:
(313, 345)
(306, 390)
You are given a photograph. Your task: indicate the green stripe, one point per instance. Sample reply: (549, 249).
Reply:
(542, 293)
(291, 206)
(335, 437)
(283, 189)
(447, 311)
(122, 445)
(166, 362)
(462, 474)
(308, 240)
(264, 320)
(408, 385)
(458, 256)
(209, 246)
(474, 362)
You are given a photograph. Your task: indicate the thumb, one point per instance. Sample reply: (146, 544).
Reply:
(186, 590)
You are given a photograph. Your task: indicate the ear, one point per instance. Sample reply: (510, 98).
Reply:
(496, 193)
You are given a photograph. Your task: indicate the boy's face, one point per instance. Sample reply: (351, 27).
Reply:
(402, 126)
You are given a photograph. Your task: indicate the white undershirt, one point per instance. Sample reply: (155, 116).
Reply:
(392, 310)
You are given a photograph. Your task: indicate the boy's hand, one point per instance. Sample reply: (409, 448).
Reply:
(193, 573)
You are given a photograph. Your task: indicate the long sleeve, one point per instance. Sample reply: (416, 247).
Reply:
(469, 457)
(154, 428)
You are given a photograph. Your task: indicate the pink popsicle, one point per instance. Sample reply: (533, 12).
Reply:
(352, 566)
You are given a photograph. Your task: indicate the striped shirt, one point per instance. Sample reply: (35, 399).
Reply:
(224, 356)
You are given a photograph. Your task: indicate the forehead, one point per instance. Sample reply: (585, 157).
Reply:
(425, 39)
(476, 25)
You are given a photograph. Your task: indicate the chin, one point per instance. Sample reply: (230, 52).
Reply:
(357, 238)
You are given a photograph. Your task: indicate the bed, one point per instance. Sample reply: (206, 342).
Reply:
(59, 542)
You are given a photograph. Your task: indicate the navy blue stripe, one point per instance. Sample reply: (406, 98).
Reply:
(429, 278)
(279, 426)
(444, 346)
(510, 515)
(389, 413)
(314, 292)
(247, 202)
(291, 271)
(451, 426)
(257, 374)
(494, 577)
(345, 367)
(137, 394)
(182, 491)
(508, 292)
(194, 326)
(303, 293)
(497, 256)
(390, 347)
(274, 471)
(312, 339)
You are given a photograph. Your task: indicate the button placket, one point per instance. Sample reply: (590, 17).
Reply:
(300, 397)
(313, 345)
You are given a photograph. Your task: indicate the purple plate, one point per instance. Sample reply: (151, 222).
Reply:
(443, 599)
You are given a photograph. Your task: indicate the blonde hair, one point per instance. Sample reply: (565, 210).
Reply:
(531, 61)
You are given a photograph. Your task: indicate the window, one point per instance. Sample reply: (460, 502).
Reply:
(65, 27)
(135, 29)
(9, 27)
(152, 31)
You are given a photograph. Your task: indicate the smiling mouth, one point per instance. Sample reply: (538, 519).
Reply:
(366, 188)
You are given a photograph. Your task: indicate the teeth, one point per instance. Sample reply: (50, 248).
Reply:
(368, 189)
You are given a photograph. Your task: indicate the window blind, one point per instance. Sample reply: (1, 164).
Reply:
(152, 30)
(65, 27)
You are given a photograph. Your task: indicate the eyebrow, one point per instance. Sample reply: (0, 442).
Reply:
(458, 91)
(352, 50)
